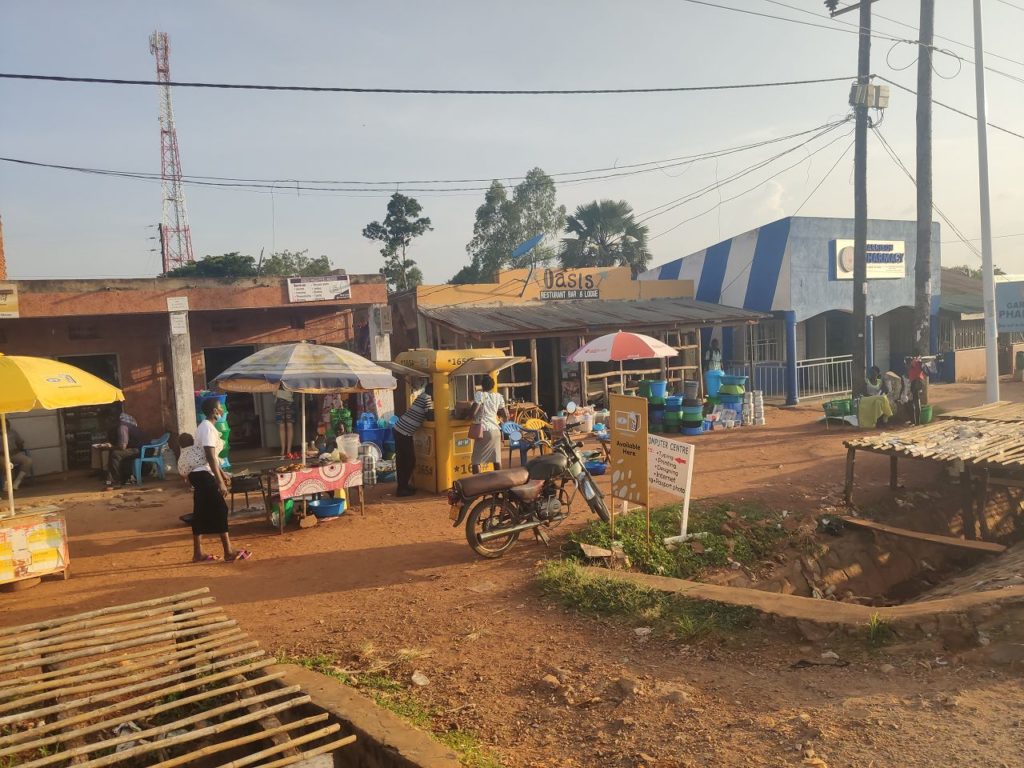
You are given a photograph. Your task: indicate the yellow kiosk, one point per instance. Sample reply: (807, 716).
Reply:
(444, 450)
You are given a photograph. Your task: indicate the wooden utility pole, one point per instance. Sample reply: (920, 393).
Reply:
(860, 200)
(923, 264)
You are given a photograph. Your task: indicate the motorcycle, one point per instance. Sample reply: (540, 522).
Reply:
(498, 506)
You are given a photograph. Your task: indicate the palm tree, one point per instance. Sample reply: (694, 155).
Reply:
(606, 234)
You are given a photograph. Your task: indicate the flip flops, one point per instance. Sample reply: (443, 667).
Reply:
(242, 554)
(207, 559)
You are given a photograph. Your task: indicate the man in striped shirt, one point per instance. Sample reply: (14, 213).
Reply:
(405, 452)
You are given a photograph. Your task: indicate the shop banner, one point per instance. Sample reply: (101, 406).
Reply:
(628, 429)
(8, 300)
(670, 469)
(323, 288)
(1010, 306)
(886, 259)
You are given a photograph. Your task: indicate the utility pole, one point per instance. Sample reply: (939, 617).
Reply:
(859, 100)
(988, 282)
(923, 264)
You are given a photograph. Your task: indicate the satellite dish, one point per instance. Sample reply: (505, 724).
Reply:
(528, 246)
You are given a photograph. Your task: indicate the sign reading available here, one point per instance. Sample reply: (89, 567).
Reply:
(628, 430)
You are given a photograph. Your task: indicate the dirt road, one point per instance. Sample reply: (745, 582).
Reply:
(398, 589)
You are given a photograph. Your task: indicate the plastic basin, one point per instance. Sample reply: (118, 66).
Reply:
(658, 388)
(324, 508)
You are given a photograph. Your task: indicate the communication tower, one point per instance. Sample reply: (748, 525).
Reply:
(175, 235)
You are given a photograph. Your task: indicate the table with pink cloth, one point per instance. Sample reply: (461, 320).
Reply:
(320, 479)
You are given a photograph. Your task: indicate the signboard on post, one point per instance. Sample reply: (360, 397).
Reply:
(322, 288)
(629, 448)
(8, 300)
(670, 469)
(885, 259)
(1010, 306)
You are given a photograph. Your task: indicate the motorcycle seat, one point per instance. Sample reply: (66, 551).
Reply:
(489, 482)
(528, 491)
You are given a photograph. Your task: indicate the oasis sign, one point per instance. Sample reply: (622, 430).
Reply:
(885, 259)
(561, 284)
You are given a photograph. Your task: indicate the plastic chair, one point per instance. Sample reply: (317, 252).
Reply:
(518, 441)
(152, 453)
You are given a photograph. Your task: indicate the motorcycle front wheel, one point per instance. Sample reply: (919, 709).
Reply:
(594, 498)
(487, 515)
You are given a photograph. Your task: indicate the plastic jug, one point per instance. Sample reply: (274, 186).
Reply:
(349, 445)
(588, 422)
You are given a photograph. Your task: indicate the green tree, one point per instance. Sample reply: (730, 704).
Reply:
(606, 234)
(231, 264)
(402, 223)
(502, 223)
(295, 263)
(975, 272)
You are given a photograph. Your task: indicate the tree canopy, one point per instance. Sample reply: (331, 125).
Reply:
(504, 222)
(235, 264)
(401, 225)
(974, 272)
(605, 234)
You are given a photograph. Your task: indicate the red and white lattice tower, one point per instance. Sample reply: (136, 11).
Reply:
(175, 236)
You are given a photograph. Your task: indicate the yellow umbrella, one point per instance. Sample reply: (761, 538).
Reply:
(27, 383)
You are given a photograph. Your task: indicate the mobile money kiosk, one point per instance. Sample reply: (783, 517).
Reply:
(444, 450)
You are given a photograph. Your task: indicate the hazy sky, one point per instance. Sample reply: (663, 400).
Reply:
(60, 224)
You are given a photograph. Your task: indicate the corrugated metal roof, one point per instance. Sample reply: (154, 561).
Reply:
(960, 294)
(550, 318)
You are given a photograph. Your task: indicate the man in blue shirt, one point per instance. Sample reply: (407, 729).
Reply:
(405, 452)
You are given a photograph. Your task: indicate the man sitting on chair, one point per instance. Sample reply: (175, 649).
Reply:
(126, 449)
(21, 462)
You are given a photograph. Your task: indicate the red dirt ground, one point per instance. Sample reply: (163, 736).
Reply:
(400, 588)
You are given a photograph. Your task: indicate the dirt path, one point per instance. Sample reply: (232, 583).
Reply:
(399, 587)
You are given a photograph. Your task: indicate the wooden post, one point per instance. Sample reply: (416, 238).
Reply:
(894, 471)
(851, 454)
(584, 375)
(535, 390)
(967, 504)
(700, 363)
(982, 503)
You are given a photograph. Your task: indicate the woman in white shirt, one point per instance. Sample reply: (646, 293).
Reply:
(488, 413)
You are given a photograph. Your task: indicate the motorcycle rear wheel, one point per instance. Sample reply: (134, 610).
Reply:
(487, 515)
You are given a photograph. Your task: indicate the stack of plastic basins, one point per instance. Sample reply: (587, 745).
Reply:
(691, 420)
(656, 405)
(730, 394)
(673, 413)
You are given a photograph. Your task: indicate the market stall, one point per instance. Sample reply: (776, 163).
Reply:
(34, 544)
(444, 449)
(307, 369)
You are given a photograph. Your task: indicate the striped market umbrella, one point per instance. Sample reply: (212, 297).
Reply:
(620, 346)
(305, 368)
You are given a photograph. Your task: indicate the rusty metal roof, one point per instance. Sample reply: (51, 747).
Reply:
(554, 318)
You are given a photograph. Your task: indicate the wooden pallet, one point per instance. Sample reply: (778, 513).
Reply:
(1003, 410)
(949, 541)
(165, 682)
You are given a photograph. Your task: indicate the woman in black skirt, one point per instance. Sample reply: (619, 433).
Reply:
(209, 487)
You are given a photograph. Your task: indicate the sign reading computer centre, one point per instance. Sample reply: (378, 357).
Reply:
(886, 259)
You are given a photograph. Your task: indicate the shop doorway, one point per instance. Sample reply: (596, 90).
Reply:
(838, 334)
(86, 425)
(549, 368)
(243, 418)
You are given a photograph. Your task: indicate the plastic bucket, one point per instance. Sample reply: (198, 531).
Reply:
(712, 381)
(926, 414)
(659, 388)
(690, 389)
(644, 388)
(588, 422)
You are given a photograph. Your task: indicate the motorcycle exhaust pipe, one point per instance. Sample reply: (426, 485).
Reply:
(499, 532)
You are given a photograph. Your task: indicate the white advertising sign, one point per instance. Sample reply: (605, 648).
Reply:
(670, 469)
(177, 303)
(179, 323)
(323, 288)
(886, 259)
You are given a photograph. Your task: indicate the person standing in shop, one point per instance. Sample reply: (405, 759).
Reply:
(422, 409)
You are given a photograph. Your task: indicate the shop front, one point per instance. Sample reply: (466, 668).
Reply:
(800, 271)
(543, 315)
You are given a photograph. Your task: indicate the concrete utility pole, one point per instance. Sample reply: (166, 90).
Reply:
(923, 266)
(988, 280)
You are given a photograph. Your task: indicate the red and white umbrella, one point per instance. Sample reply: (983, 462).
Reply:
(619, 346)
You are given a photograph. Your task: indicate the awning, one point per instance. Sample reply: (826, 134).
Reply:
(559, 318)
(479, 366)
(403, 370)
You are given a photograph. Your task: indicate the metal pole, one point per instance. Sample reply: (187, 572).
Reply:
(7, 465)
(923, 262)
(860, 202)
(988, 283)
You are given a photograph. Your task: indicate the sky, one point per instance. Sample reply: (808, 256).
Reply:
(62, 224)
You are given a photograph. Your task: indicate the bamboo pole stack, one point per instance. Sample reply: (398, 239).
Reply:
(164, 682)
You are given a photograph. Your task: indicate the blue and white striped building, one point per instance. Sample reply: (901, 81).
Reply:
(800, 269)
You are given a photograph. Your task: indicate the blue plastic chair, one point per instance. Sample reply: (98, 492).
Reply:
(152, 453)
(517, 440)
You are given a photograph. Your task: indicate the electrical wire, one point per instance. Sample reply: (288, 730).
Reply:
(894, 156)
(1011, 5)
(421, 91)
(978, 239)
(824, 178)
(912, 92)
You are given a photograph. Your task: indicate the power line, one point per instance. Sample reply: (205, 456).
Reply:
(947, 106)
(894, 156)
(978, 239)
(1012, 5)
(422, 91)
(824, 178)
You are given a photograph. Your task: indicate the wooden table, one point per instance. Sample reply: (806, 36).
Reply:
(315, 479)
